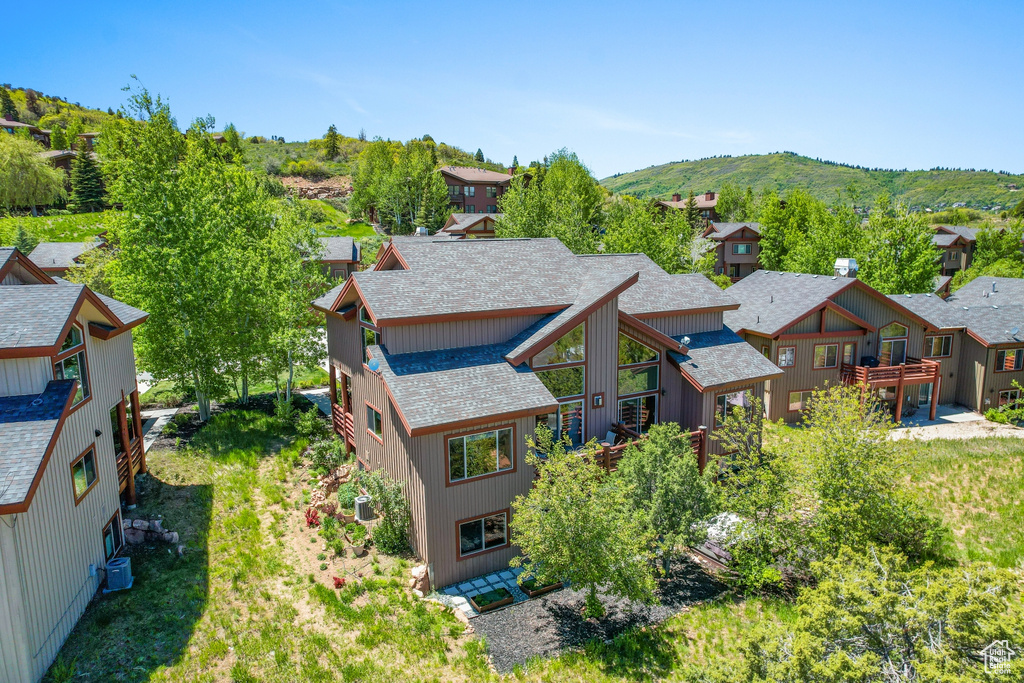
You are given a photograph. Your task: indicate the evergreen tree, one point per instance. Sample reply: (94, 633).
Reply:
(7, 108)
(24, 241)
(86, 183)
(515, 161)
(479, 156)
(331, 147)
(692, 212)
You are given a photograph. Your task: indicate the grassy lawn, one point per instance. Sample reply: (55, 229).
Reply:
(166, 393)
(977, 487)
(78, 227)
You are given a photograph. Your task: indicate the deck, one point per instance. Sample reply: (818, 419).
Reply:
(914, 371)
(611, 454)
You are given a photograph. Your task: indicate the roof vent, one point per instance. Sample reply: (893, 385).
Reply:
(909, 296)
(796, 275)
(993, 285)
(814, 276)
(421, 232)
(686, 341)
(846, 267)
(1015, 331)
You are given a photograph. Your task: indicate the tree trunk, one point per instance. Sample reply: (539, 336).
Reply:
(245, 388)
(35, 212)
(202, 400)
(291, 375)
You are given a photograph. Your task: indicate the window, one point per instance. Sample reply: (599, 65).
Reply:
(70, 363)
(476, 455)
(469, 190)
(632, 352)
(485, 533)
(453, 190)
(639, 413)
(893, 349)
(112, 537)
(826, 356)
(741, 249)
(766, 351)
(132, 409)
(799, 400)
(938, 347)
(83, 474)
(952, 255)
(492, 192)
(374, 425)
(563, 382)
(638, 380)
(726, 403)
(115, 428)
(471, 209)
(1009, 359)
(370, 335)
(571, 348)
(734, 270)
(787, 356)
(850, 353)
(1010, 397)
(568, 421)
(492, 208)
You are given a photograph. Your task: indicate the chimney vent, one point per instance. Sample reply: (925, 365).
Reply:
(421, 232)
(993, 285)
(709, 196)
(846, 267)
(677, 197)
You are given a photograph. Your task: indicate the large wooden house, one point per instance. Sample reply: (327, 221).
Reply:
(450, 352)
(70, 447)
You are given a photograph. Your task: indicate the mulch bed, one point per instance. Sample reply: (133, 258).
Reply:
(552, 624)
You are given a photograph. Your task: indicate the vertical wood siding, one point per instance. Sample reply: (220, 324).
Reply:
(973, 370)
(709, 398)
(432, 336)
(56, 541)
(674, 325)
(602, 369)
(994, 382)
(22, 376)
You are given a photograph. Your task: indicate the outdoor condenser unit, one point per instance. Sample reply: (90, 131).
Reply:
(119, 574)
(364, 508)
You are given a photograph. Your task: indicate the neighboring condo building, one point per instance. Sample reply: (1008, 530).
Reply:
(447, 354)
(474, 190)
(737, 248)
(70, 447)
(706, 204)
(471, 225)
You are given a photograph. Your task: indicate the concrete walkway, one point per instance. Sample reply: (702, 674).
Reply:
(952, 422)
(153, 422)
(321, 398)
(457, 595)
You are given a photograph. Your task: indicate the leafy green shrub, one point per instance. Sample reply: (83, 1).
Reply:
(392, 531)
(327, 455)
(329, 528)
(347, 493)
(994, 415)
(358, 534)
(311, 426)
(307, 168)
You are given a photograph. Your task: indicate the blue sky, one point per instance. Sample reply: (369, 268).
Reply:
(625, 85)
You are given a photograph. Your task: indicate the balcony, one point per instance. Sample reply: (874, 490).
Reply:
(343, 424)
(611, 454)
(914, 371)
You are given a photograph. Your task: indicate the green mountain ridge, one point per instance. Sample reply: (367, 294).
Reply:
(781, 171)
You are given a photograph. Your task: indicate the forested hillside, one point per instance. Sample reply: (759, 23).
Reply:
(781, 171)
(31, 106)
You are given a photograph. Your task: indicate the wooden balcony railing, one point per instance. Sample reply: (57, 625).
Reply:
(611, 454)
(914, 371)
(344, 425)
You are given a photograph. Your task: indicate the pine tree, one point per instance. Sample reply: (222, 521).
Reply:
(331, 148)
(86, 183)
(24, 241)
(692, 212)
(58, 140)
(479, 156)
(7, 108)
(515, 161)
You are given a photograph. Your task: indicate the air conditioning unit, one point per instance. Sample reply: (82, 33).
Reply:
(364, 508)
(119, 574)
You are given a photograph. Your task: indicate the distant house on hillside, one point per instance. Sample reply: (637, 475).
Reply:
(737, 248)
(9, 125)
(705, 202)
(474, 190)
(56, 258)
(470, 224)
(341, 256)
(957, 243)
(70, 447)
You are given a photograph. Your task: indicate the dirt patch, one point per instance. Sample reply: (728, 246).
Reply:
(958, 430)
(322, 188)
(549, 625)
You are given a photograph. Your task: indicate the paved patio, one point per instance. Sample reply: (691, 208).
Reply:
(457, 595)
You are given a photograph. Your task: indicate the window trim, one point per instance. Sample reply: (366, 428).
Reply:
(566, 364)
(116, 519)
(801, 392)
(61, 356)
(458, 536)
(748, 252)
(931, 337)
(815, 353)
(778, 357)
(853, 359)
(1009, 391)
(96, 468)
(461, 435)
(1018, 353)
(766, 351)
(379, 439)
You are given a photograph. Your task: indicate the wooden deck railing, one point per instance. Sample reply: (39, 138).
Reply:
(914, 371)
(344, 425)
(611, 454)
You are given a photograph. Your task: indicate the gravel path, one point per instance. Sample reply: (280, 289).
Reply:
(958, 430)
(551, 624)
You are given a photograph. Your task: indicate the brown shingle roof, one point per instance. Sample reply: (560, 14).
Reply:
(469, 174)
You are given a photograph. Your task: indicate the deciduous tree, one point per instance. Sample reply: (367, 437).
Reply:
(575, 524)
(27, 179)
(899, 256)
(58, 140)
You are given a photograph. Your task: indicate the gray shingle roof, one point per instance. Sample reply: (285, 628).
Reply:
(995, 323)
(770, 301)
(720, 358)
(969, 234)
(35, 315)
(723, 230)
(980, 291)
(125, 313)
(60, 254)
(5, 255)
(340, 249)
(936, 310)
(27, 426)
(460, 222)
(450, 386)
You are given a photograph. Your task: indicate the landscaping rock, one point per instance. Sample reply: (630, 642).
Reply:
(181, 551)
(156, 525)
(141, 525)
(420, 579)
(134, 536)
